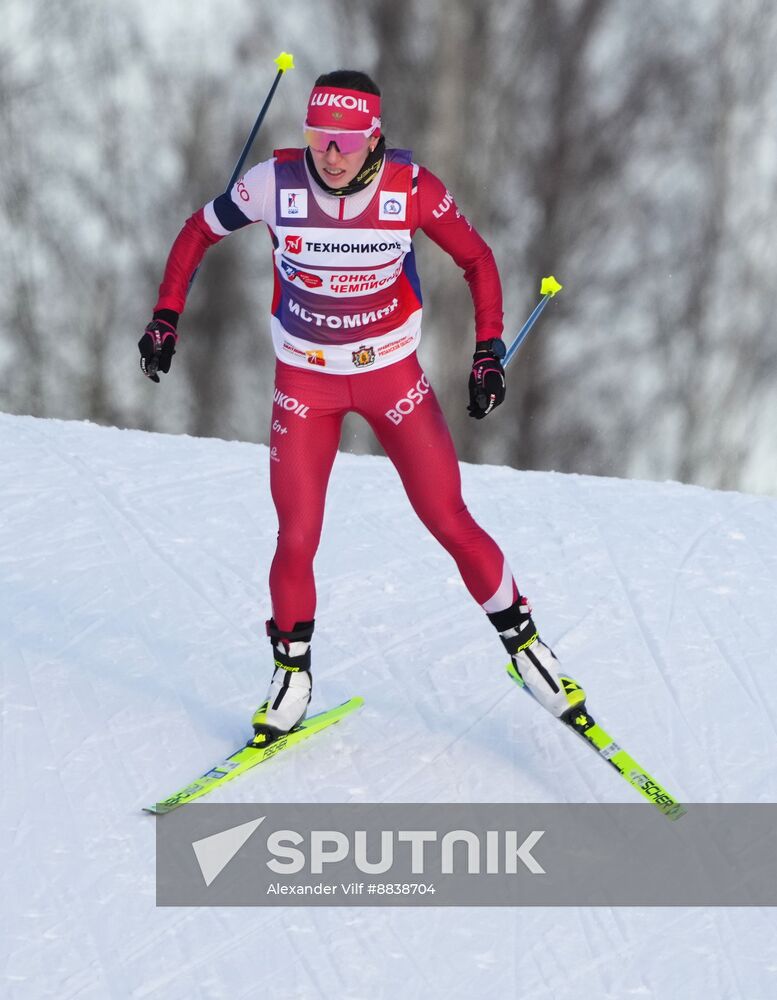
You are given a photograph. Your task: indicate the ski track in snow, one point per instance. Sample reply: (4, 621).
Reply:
(133, 594)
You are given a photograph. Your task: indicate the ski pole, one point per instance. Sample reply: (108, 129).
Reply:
(548, 289)
(284, 61)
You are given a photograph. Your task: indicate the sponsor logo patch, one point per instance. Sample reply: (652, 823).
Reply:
(316, 358)
(294, 203)
(294, 243)
(307, 279)
(393, 205)
(363, 357)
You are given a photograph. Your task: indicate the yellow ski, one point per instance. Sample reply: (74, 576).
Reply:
(251, 755)
(580, 721)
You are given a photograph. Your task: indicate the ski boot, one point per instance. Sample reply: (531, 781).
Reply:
(290, 688)
(533, 663)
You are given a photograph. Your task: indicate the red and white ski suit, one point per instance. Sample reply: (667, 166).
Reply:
(346, 321)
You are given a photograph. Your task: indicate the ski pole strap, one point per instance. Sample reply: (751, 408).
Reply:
(302, 631)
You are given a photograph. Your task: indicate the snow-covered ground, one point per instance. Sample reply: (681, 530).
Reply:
(132, 597)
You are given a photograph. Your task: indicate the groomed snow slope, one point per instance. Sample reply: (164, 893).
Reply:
(132, 597)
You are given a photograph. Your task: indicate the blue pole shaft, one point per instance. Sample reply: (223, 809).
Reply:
(254, 130)
(246, 149)
(524, 331)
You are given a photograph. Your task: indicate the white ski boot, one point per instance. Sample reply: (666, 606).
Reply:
(291, 686)
(534, 663)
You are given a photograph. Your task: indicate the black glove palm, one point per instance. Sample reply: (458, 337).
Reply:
(487, 379)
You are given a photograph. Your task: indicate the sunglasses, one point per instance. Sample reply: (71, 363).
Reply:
(346, 142)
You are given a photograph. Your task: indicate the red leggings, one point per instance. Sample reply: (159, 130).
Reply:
(402, 409)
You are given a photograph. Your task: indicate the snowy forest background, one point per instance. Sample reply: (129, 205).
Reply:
(626, 147)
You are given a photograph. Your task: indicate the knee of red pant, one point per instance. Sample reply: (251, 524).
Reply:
(451, 528)
(298, 543)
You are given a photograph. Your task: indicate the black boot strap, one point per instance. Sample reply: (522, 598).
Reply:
(302, 631)
(511, 617)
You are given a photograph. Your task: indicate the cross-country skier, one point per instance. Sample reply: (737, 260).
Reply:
(346, 322)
